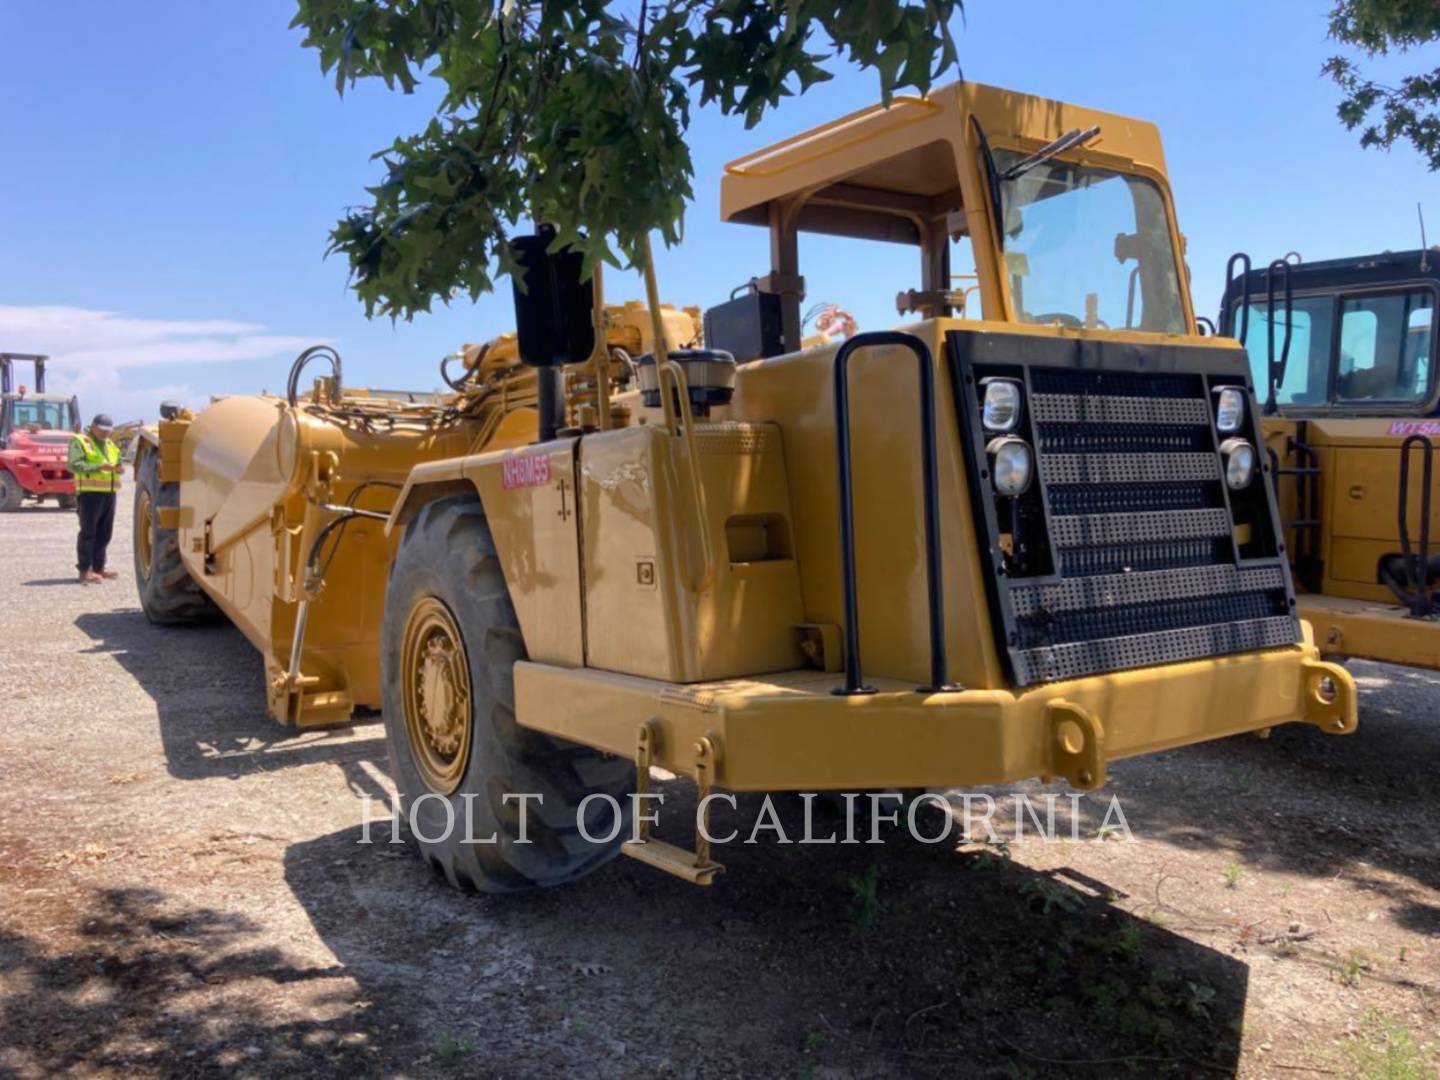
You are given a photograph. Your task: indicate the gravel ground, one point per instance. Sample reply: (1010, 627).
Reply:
(182, 893)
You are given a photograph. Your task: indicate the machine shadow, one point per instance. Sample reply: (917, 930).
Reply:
(867, 960)
(134, 982)
(1305, 802)
(208, 685)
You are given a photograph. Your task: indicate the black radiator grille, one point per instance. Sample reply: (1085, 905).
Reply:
(1117, 497)
(1052, 628)
(1130, 558)
(1139, 562)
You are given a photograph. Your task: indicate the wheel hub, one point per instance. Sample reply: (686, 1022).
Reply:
(437, 695)
(144, 533)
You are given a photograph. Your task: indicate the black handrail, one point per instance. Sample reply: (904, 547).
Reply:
(1276, 372)
(1418, 567)
(854, 679)
(1227, 315)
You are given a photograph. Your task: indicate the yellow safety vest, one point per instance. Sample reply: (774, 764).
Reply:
(87, 462)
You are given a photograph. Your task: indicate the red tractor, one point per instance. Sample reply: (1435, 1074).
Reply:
(35, 431)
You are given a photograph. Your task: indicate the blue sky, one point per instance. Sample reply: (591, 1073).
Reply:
(171, 170)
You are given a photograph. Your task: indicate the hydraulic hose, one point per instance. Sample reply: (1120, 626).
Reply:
(292, 385)
(455, 384)
(1395, 576)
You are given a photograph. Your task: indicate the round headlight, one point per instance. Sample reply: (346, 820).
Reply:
(1239, 463)
(1230, 410)
(1001, 411)
(1010, 465)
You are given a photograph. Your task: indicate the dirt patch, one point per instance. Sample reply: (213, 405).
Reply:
(182, 892)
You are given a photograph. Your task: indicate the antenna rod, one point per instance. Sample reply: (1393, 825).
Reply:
(1424, 246)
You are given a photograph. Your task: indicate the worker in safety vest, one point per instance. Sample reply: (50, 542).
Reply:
(95, 463)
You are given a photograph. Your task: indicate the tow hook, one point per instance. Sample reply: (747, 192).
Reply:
(1077, 745)
(1330, 697)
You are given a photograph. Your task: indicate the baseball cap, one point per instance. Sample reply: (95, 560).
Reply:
(102, 420)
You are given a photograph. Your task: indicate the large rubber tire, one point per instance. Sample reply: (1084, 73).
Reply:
(66, 502)
(11, 493)
(168, 594)
(447, 555)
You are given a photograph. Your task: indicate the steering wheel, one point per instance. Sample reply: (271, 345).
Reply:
(1064, 318)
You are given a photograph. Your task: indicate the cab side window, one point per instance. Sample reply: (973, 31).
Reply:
(1384, 347)
(1308, 368)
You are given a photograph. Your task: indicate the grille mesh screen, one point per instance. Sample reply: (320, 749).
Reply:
(1144, 566)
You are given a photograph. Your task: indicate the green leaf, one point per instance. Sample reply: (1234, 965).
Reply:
(552, 108)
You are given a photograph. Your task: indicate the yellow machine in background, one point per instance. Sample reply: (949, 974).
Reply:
(1018, 541)
(1346, 352)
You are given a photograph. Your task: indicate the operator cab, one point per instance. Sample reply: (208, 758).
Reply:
(35, 415)
(1363, 333)
(1086, 235)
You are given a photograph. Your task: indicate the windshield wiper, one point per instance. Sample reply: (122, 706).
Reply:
(1069, 141)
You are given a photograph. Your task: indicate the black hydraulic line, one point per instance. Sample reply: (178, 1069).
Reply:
(454, 384)
(361, 487)
(347, 513)
(466, 375)
(292, 384)
(854, 678)
(1394, 574)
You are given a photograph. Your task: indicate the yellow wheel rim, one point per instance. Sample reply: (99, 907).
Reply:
(436, 679)
(144, 533)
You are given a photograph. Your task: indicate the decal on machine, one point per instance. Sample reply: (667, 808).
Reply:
(528, 470)
(1415, 427)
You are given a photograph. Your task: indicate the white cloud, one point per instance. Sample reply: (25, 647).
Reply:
(90, 350)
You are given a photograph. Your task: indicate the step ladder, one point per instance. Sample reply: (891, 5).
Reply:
(1304, 550)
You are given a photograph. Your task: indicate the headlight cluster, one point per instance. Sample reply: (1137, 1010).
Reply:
(1239, 458)
(1237, 453)
(1012, 465)
(1001, 408)
(1229, 410)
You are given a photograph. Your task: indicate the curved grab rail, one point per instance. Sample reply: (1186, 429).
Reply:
(1417, 563)
(680, 388)
(854, 679)
(1227, 315)
(1274, 371)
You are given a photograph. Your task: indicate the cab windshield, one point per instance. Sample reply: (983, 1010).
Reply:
(1087, 247)
(29, 412)
(1362, 349)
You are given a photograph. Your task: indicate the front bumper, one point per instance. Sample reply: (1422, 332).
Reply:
(789, 732)
(1369, 630)
(43, 478)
